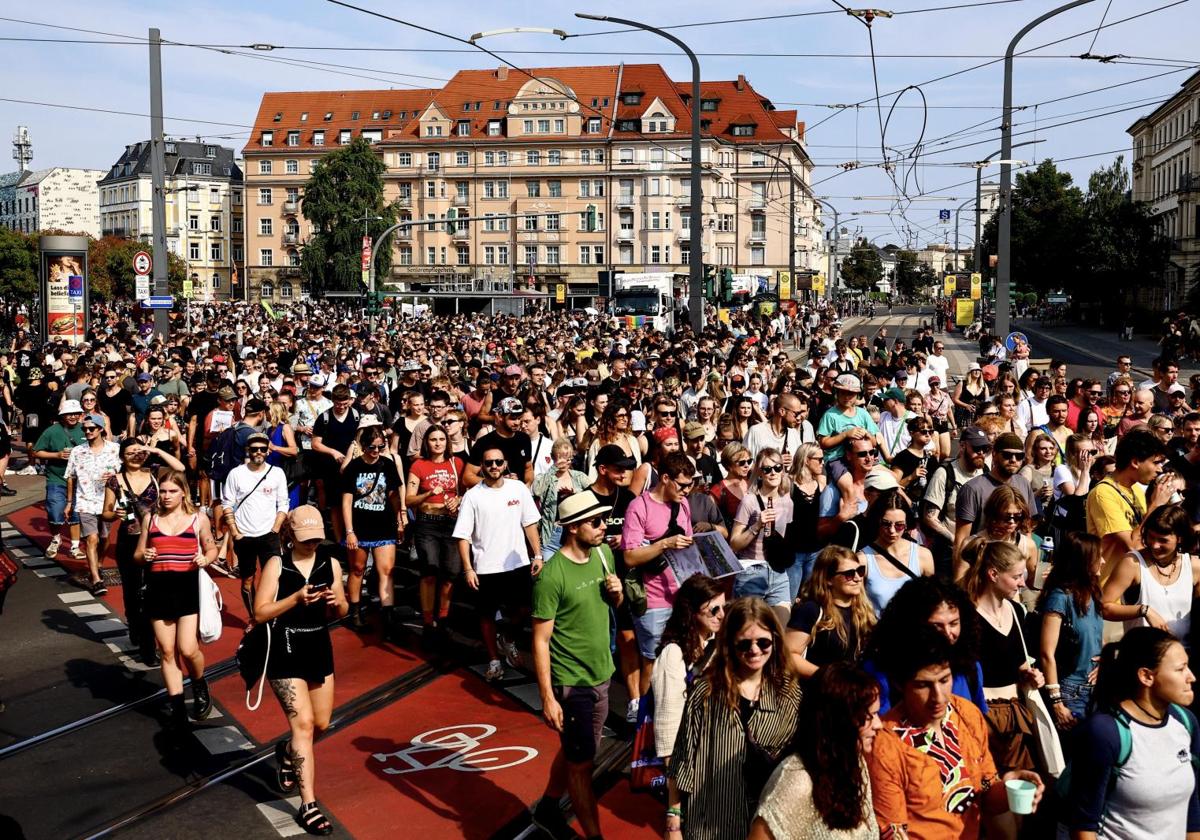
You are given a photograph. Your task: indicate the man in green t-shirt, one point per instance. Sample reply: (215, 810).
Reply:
(571, 599)
(53, 448)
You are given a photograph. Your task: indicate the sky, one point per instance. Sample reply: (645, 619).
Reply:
(809, 56)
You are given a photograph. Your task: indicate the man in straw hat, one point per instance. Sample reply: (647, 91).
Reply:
(571, 599)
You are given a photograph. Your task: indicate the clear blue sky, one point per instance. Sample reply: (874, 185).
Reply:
(779, 57)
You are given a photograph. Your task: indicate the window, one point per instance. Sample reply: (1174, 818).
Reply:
(462, 255)
(625, 156)
(293, 138)
(585, 254)
(743, 131)
(708, 104)
(238, 255)
(633, 97)
(433, 161)
(489, 254)
(237, 224)
(214, 196)
(318, 138)
(328, 116)
(502, 158)
(463, 128)
(627, 125)
(593, 125)
(193, 222)
(354, 115)
(291, 167)
(406, 257)
(489, 158)
(502, 254)
(344, 136)
(264, 167)
(598, 155)
(170, 148)
(725, 222)
(193, 250)
(599, 220)
(531, 256)
(685, 254)
(529, 223)
(585, 188)
(656, 154)
(293, 194)
(214, 223)
(293, 258)
(758, 256)
(404, 159)
(431, 189)
(758, 225)
(758, 159)
(201, 168)
(543, 126)
(493, 128)
(430, 255)
(533, 189)
(685, 221)
(461, 159)
(216, 281)
(533, 157)
(265, 226)
(460, 189)
(554, 188)
(553, 157)
(655, 254)
(560, 126)
(266, 257)
(267, 139)
(285, 290)
(264, 195)
(552, 255)
(527, 126)
(267, 289)
(372, 135)
(214, 251)
(553, 222)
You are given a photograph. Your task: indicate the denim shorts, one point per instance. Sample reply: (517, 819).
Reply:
(1075, 696)
(764, 582)
(801, 570)
(56, 506)
(649, 628)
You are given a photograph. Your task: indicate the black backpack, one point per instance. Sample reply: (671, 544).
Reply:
(224, 453)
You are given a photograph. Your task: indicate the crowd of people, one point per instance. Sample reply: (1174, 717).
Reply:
(961, 603)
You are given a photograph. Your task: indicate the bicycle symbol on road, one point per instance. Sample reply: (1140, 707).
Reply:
(460, 745)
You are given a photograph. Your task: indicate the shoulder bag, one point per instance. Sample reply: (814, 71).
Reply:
(1049, 746)
(634, 582)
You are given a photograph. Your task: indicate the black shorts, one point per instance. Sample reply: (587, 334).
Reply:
(172, 595)
(254, 552)
(437, 550)
(512, 589)
(584, 711)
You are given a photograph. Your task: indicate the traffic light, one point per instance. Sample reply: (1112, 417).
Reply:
(451, 215)
(374, 301)
(727, 285)
(589, 215)
(710, 282)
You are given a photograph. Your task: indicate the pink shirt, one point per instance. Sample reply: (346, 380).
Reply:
(646, 521)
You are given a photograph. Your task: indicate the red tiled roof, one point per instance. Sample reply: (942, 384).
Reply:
(341, 104)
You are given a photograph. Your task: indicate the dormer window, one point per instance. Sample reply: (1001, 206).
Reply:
(742, 130)
(709, 104)
(268, 138)
(627, 125)
(354, 115)
(631, 97)
(170, 148)
(278, 116)
(304, 116)
(328, 116)
(387, 115)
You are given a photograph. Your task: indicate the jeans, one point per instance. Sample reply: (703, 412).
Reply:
(1075, 696)
(800, 571)
(56, 505)
(764, 582)
(648, 629)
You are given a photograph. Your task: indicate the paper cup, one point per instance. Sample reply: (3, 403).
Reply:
(1020, 795)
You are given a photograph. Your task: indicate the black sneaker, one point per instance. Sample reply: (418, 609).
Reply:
(98, 589)
(201, 701)
(549, 819)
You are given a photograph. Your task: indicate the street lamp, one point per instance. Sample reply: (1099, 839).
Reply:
(833, 264)
(695, 257)
(791, 209)
(1004, 237)
(512, 30)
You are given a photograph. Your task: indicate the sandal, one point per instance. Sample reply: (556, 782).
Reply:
(285, 774)
(312, 820)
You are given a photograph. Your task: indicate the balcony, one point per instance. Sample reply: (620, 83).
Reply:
(290, 238)
(757, 237)
(683, 201)
(290, 271)
(403, 233)
(461, 234)
(461, 200)
(121, 232)
(433, 167)
(625, 235)
(624, 200)
(1189, 182)
(684, 235)
(291, 206)
(405, 200)
(757, 205)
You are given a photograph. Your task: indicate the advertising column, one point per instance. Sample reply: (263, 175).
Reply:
(63, 268)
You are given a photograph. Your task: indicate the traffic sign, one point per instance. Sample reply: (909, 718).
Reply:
(143, 287)
(75, 286)
(159, 302)
(142, 263)
(944, 216)
(188, 288)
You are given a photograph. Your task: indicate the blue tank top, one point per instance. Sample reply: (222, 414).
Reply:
(882, 589)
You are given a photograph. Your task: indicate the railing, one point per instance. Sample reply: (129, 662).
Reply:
(405, 200)
(757, 204)
(461, 200)
(625, 199)
(290, 238)
(625, 235)
(290, 206)
(461, 234)
(757, 236)
(290, 271)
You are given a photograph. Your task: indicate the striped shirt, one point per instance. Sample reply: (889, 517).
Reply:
(176, 552)
(710, 750)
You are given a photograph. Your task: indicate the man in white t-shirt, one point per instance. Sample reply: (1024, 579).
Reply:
(785, 430)
(937, 364)
(254, 503)
(496, 528)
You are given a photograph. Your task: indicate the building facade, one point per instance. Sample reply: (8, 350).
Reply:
(59, 198)
(204, 210)
(1166, 175)
(519, 157)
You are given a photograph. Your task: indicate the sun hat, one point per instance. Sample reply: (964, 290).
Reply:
(579, 507)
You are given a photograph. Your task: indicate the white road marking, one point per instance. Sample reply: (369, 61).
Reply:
(281, 814)
(85, 610)
(75, 597)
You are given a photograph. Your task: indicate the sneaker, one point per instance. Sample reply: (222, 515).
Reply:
(509, 651)
(78, 553)
(52, 549)
(495, 671)
(98, 588)
(549, 819)
(631, 711)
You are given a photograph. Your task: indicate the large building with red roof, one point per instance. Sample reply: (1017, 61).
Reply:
(541, 145)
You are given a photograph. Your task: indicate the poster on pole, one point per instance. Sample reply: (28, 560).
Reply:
(64, 314)
(709, 554)
(964, 313)
(785, 285)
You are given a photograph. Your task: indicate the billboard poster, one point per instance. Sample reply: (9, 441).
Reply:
(65, 315)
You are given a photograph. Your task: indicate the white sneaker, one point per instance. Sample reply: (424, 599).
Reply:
(631, 711)
(52, 549)
(509, 651)
(495, 670)
(78, 553)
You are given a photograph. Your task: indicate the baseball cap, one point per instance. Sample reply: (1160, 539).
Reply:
(306, 523)
(935, 380)
(513, 370)
(369, 420)
(410, 366)
(511, 405)
(257, 437)
(693, 430)
(226, 392)
(1008, 440)
(847, 382)
(880, 478)
(158, 399)
(738, 379)
(612, 455)
(893, 393)
(144, 377)
(975, 437)
(900, 375)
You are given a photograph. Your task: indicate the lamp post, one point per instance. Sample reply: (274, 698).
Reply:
(366, 220)
(833, 264)
(1004, 237)
(695, 257)
(979, 167)
(958, 210)
(791, 210)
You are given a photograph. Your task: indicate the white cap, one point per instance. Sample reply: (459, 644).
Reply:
(316, 381)
(70, 407)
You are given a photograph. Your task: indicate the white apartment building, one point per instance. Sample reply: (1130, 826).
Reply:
(59, 198)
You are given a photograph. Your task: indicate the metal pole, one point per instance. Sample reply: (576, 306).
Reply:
(833, 262)
(695, 258)
(791, 225)
(979, 218)
(158, 196)
(957, 210)
(1004, 243)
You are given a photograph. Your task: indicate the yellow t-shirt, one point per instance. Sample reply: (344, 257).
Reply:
(1112, 509)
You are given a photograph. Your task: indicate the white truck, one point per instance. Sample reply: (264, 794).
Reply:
(644, 300)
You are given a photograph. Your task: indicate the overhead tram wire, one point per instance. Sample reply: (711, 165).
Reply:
(114, 111)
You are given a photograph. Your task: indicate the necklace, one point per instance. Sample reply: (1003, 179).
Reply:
(1148, 713)
(1166, 572)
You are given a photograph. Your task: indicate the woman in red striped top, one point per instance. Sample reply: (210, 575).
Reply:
(176, 541)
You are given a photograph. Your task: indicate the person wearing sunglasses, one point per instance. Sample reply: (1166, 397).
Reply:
(1007, 518)
(89, 466)
(764, 512)
(740, 716)
(1008, 455)
(832, 618)
(891, 558)
(846, 421)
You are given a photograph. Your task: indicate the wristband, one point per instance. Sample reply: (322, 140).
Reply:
(1049, 686)
(675, 811)
(1143, 610)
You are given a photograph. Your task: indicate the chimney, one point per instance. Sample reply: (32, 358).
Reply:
(502, 73)
(741, 82)
(800, 131)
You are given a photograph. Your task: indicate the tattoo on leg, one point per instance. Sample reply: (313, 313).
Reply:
(297, 761)
(286, 692)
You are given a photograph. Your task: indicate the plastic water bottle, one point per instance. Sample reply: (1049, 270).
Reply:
(1039, 574)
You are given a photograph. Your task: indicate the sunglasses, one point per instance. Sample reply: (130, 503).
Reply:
(866, 453)
(257, 449)
(668, 413)
(374, 447)
(851, 574)
(746, 645)
(595, 522)
(684, 485)
(716, 609)
(493, 462)
(1009, 455)
(743, 463)
(1012, 517)
(776, 468)
(894, 526)
(87, 429)
(922, 431)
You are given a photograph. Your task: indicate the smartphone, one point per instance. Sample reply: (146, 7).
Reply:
(318, 587)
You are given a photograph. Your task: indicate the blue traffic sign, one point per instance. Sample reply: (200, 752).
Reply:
(160, 302)
(75, 286)
(943, 215)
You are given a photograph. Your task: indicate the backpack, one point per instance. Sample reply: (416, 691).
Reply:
(1125, 749)
(224, 453)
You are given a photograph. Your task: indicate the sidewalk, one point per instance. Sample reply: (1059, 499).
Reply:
(1101, 345)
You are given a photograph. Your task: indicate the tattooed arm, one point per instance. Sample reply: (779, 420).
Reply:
(208, 545)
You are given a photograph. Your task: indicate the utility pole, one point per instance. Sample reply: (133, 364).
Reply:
(158, 195)
(833, 260)
(958, 210)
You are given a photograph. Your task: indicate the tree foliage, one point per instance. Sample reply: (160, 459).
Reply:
(912, 276)
(18, 266)
(110, 268)
(863, 268)
(1123, 245)
(346, 187)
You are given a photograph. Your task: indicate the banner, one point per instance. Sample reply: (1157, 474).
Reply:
(560, 292)
(632, 322)
(964, 313)
(948, 283)
(267, 306)
(785, 285)
(818, 284)
(976, 286)
(188, 289)
(64, 315)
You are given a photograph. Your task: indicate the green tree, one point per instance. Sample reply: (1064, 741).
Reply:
(863, 268)
(911, 275)
(1048, 231)
(18, 266)
(345, 188)
(1123, 247)
(110, 268)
